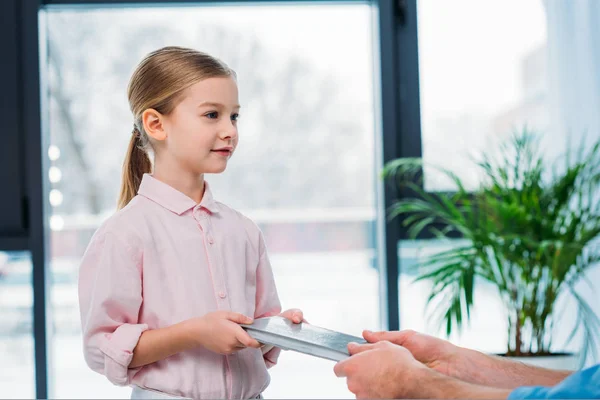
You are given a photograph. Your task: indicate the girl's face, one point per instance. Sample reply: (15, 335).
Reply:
(200, 134)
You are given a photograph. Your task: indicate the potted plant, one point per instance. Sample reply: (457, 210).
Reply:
(530, 228)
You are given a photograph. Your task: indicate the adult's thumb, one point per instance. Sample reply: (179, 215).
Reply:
(396, 337)
(374, 337)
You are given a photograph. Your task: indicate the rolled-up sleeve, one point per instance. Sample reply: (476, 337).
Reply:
(110, 296)
(267, 299)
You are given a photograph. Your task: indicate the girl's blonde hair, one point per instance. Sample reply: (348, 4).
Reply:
(158, 83)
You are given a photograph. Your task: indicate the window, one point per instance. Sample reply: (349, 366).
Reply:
(487, 71)
(479, 79)
(16, 339)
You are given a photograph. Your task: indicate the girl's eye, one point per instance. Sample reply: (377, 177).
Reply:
(235, 117)
(212, 115)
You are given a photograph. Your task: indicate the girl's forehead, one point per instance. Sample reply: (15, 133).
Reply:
(214, 88)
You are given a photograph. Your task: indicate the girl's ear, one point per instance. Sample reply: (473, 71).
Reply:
(153, 122)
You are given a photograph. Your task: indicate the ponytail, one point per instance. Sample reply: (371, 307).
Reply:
(136, 164)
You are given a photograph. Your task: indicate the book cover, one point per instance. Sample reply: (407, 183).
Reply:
(303, 338)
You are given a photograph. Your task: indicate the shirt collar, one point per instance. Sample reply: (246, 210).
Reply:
(172, 199)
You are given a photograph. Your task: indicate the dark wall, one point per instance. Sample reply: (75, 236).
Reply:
(12, 217)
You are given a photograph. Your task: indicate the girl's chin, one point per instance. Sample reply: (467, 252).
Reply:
(214, 169)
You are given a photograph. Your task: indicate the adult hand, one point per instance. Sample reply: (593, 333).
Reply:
(435, 353)
(380, 370)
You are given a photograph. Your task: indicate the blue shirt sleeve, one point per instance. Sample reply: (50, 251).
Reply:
(584, 384)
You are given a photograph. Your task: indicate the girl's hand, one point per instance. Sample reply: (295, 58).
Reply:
(293, 314)
(220, 332)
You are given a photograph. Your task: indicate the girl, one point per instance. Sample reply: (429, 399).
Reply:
(165, 281)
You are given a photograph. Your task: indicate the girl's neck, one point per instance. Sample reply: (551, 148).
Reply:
(190, 184)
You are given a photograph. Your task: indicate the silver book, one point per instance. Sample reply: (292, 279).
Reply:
(303, 338)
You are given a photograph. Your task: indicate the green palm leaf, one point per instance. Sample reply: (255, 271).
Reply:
(531, 230)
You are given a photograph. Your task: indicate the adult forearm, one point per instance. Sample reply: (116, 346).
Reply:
(483, 369)
(158, 344)
(433, 385)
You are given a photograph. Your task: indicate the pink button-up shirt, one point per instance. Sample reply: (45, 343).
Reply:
(164, 259)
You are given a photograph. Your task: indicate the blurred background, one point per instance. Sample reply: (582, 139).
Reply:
(331, 92)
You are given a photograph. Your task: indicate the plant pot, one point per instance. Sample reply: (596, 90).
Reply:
(564, 361)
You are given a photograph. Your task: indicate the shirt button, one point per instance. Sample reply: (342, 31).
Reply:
(210, 239)
(222, 295)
